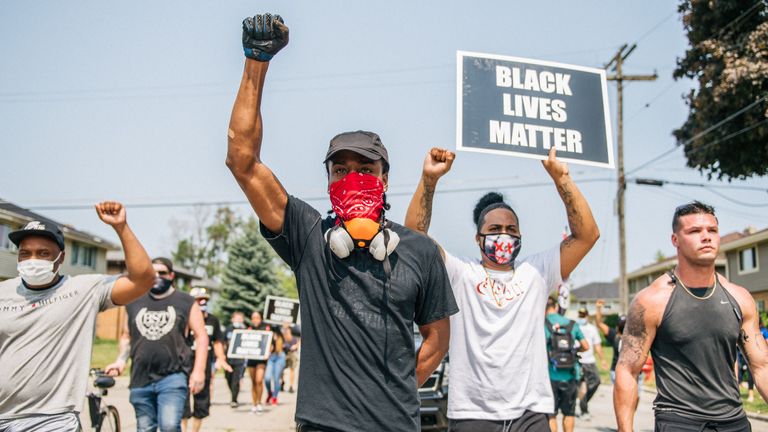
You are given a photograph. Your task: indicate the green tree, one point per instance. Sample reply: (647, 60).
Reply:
(202, 242)
(728, 56)
(251, 274)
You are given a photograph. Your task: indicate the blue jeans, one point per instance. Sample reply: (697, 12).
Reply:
(275, 366)
(161, 404)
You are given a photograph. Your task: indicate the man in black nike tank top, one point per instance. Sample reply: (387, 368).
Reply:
(692, 320)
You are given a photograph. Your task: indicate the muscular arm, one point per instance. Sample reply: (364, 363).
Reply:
(751, 341)
(433, 348)
(221, 357)
(584, 231)
(265, 193)
(141, 275)
(636, 341)
(437, 163)
(419, 214)
(197, 325)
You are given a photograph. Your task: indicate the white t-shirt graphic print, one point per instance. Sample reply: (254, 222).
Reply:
(498, 348)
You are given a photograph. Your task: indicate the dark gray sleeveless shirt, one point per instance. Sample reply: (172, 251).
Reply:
(693, 355)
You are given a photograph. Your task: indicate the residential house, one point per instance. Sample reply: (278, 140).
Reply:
(587, 295)
(642, 277)
(747, 261)
(84, 252)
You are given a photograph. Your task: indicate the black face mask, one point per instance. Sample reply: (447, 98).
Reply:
(161, 286)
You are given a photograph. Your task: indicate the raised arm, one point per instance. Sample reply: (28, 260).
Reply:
(636, 341)
(263, 36)
(437, 163)
(584, 231)
(752, 343)
(141, 275)
(601, 325)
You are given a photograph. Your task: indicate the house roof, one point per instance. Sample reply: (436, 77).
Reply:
(597, 290)
(117, 256)
(21, 216)
(747, 238)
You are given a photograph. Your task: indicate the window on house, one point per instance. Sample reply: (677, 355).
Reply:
(748, 260)
(84, 256)
(5, 242)
(761, 306)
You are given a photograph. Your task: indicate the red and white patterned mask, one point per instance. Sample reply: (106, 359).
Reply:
(357, 195)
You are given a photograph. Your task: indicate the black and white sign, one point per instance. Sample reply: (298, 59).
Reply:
(250, 344)
(279, 310)
(522, 107)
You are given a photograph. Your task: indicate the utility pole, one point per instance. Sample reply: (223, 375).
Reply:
(616, 66)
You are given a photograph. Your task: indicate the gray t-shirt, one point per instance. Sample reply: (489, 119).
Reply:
(46, 338)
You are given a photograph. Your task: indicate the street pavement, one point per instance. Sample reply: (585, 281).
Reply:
(280, 418)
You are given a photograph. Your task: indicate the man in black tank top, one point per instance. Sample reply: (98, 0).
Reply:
(691, 319)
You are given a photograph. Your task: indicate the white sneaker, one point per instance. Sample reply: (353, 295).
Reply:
(257, 408)
(586, 417)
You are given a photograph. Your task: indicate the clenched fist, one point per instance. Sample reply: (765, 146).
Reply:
(263, 36)
(111, 213)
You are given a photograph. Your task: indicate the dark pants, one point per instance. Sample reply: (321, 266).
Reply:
(565, 393)
(234, 377)
(591, 377)
(529, 422)
(670, 422)
(201, 401)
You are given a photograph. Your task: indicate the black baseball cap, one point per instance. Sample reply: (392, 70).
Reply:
(41, 229)
(364, 143)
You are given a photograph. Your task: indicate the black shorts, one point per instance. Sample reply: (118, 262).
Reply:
(668, 422)
(565, 396)
(529, 422)
(254, 363)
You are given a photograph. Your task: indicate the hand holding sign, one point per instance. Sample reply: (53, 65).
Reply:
(438, 162)
(554, 167)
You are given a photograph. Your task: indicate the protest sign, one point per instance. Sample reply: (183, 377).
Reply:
(522, 107)
(278, 310)
(250, 344)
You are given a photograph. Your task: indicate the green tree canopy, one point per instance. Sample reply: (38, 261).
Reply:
(728, 57)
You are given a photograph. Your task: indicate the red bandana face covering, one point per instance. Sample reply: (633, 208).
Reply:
(357, 195)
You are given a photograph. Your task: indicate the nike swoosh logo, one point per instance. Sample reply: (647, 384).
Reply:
(723, 302)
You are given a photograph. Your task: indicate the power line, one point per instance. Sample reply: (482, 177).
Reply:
(308, 199)
(699, 135)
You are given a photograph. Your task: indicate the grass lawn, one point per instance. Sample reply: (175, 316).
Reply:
(104, 352)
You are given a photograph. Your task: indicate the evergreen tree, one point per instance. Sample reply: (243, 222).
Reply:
(728, 58)
(250, 275)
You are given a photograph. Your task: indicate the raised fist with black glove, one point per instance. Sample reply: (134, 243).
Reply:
(263, 36)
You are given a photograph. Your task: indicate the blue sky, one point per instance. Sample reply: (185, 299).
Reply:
(131, 101)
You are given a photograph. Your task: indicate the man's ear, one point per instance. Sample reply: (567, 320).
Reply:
(674, 240)
(172, 275)
(385, 180)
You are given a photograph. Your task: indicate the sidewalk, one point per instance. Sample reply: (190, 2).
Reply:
(223, 418)
(280, 418)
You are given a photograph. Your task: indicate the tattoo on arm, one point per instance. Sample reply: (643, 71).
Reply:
(425, 216)
(575, 219)
(634, 337)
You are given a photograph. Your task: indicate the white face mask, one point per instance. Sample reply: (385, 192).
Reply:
(581, 321)
(36, 272)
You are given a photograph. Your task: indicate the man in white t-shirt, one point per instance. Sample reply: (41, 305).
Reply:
(590, 375)
(499, 374)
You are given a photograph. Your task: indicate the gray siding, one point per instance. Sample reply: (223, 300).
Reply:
(755, 281)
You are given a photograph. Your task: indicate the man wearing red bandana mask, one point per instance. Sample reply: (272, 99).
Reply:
(358, 308)
(502, 300)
